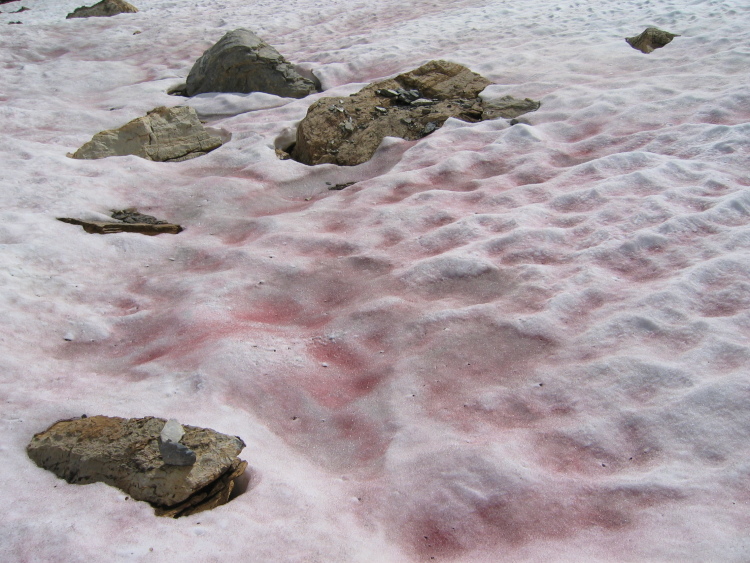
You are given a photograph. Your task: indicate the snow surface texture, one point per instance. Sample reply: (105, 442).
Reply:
(523, 343)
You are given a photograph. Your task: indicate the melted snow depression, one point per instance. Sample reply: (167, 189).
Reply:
(524, 342)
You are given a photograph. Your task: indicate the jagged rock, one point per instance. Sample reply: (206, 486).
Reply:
(347, 131)
(126, 221)
(125, 453)
(131, 215)
(103, 9)
(652, 38)
(164, 134)
(342, 186)
(107, 227)
(242, 62)
(508, 107)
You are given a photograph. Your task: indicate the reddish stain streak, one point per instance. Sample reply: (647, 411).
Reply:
(430, 539)
(243, 232)
(369, 440)
(152, 354)
(339, 354)
(582, 131)
(347, 377)
(634, 268)
(205, 261)
(568, 455)
(401, 192)
(278, 310)
(338, 436)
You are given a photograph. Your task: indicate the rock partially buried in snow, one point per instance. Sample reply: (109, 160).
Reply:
(652, 38)
(126, 221)
(508, 107)
(348, 131)
(242, 62)
(103, 9)
(163, 134)
(125, 453)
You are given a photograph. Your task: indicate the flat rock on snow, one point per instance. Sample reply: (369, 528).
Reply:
(125, 453)
(163, 134)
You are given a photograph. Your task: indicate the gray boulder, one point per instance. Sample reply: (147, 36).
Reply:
(125, 453)
(163, 134)
(103, 9)
(242, 62)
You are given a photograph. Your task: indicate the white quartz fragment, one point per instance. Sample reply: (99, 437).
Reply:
(172, 431)
(172, 452)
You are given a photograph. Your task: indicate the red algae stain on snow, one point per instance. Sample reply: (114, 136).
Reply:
(348, 374)
(464, 499)
(310, 410)
(274, 309)
(458, 360)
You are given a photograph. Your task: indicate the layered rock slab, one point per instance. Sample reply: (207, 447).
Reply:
(348, 131)
(125, 453)
(163, 134)
(103, 9)
(126, 221)
(242, 62)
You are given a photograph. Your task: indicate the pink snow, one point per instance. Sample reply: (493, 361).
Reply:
(503, 343)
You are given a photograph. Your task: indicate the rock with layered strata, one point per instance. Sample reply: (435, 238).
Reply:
(163, 134)
(103, 9)
(651, 38)
(126, 221)
(242, 62)
(126, 454)
(348, 130)
(508, 107)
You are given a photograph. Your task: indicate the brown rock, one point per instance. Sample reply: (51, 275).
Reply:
(163, 134)
(347, 131)
(652, 38)
(103, 9)
(125, 453)
(109, 227)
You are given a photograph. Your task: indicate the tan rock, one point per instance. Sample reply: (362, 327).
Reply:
(163, 134)
(125, 453)
(103, 9)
